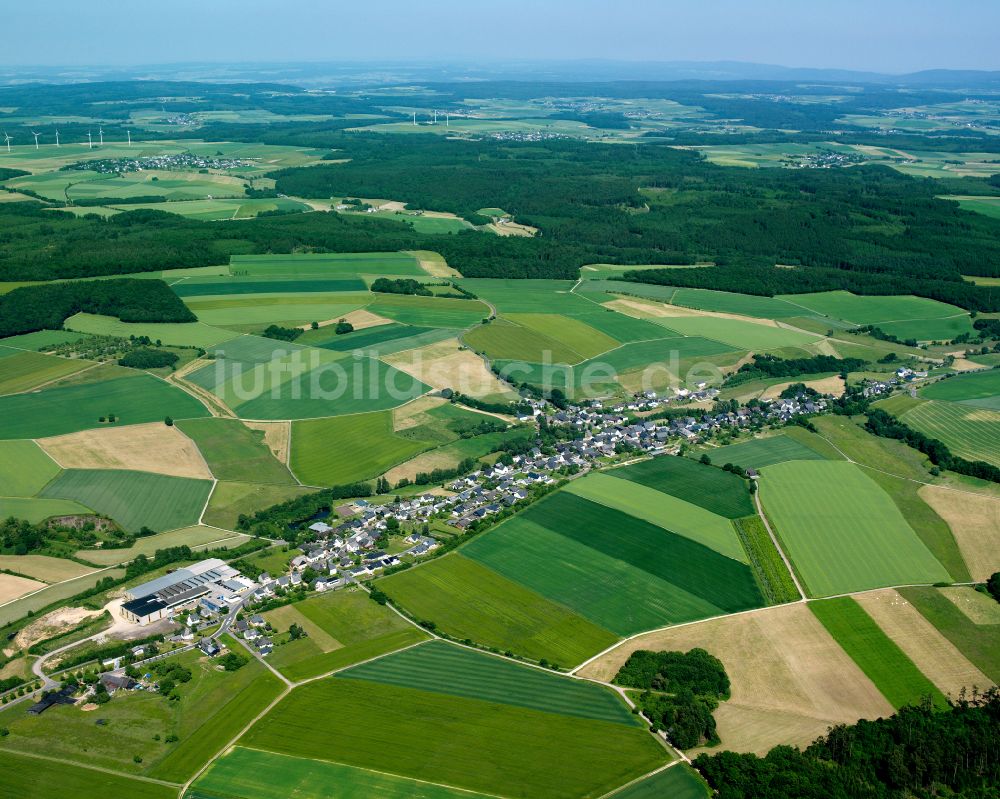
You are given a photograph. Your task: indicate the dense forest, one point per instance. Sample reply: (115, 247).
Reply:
(918, 752)
(47, 306)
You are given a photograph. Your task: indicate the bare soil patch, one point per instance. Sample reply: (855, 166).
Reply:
(359, 319)
(12, 587)
(930, 651)
(52, 624)
(828, 385)
(447, 364)
(790, 679)
(974, 521)
(152, 447)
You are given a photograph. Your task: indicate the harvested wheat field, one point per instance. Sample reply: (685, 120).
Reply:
(277, 436)
(434, 264)
(152, 447)
(930, 651)
(447, 365)
(12, 587)
(359, 319)
(790, 679)
(828, 385)
(648, 309)
(974, 520)
(44, 567)
(979, 608)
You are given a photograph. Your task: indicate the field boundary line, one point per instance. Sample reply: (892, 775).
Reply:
(777, 545)
(204, 508)
(654, 772)
(40, 386)
(102, 769)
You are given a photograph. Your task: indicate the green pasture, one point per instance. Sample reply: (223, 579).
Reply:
(469, 600)
(229, 286)
(442, 667)
(234, 452)
(502, 339)
(524, 296)
(23, 371)
(706, 486)
(677, 782)
(379, 339)
(728, 302)
(760, 452)
(251, 313)
(194, 537)
(25, 776)
(987, 206)
(183, 334)
(980, 643)
(580, 338)
(25, 469)
(970, 432)
(36, 510)
(608, 590)
(929, 329)
(877, 655)
(871, 310)
(254, 774)
(663, 510)
(429, 311)
(328, 264)
(981, 389)
(346, 449)
(842, 531)
(739, 334)
(134, 499)
(477, 745)
(349, 628)
(231, 500)
(218, 209)
(41, 339)
(67, 409)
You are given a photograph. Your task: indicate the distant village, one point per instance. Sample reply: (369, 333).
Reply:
(178, 161)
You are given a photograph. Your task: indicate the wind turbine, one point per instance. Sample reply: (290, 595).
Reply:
(435, 116)
(447, 120)
(100, 132)
(129, 137)
(36, 135)
(6, 139)
(90, 141)
(57, 137)
(414, 117)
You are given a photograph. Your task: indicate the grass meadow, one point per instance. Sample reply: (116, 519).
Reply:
(67, 409)
(760, 452)
(134, 499)
(342, 628)
(230, 500)
(981, 389)
(181, 334)
(25, 469)
(876, 654)
(970, 432)
(709, 487)
(328, 264)
(23, 371)
(468, 600)
(842, 531)
(234, 452)
(676, 782)
(25, 776)
(477, 745)
(195, 536)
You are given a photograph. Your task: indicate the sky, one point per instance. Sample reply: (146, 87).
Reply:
(892, 36)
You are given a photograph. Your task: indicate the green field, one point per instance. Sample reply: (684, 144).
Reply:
(40, 339)
(346, 449)
(181, 334)
(841, 530)
(134, 499)
(253, 312)
(727, 302)
(31, 778)
(235, 286)
(981, 389)
(445, 668)
(23, 371)
(760, 452)
(24, 468)
(469, 600)
(36, 510)
(620, 572)
(194, 537)
(366, 339)
(217, 209)
(67, 409)
(579, 337)
(663, 510)
(342, 628)
(477, 745)
(501, 339)
(429, 311)
(740, 334)
(328, 264)
(235, 452)
(707, 486)
(980, 643)
(877, 655)
(253, 774)
(677, 782)
(970, 432)
(988, 206)
(230, 500)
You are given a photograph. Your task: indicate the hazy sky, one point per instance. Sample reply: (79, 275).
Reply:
(883, 35)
